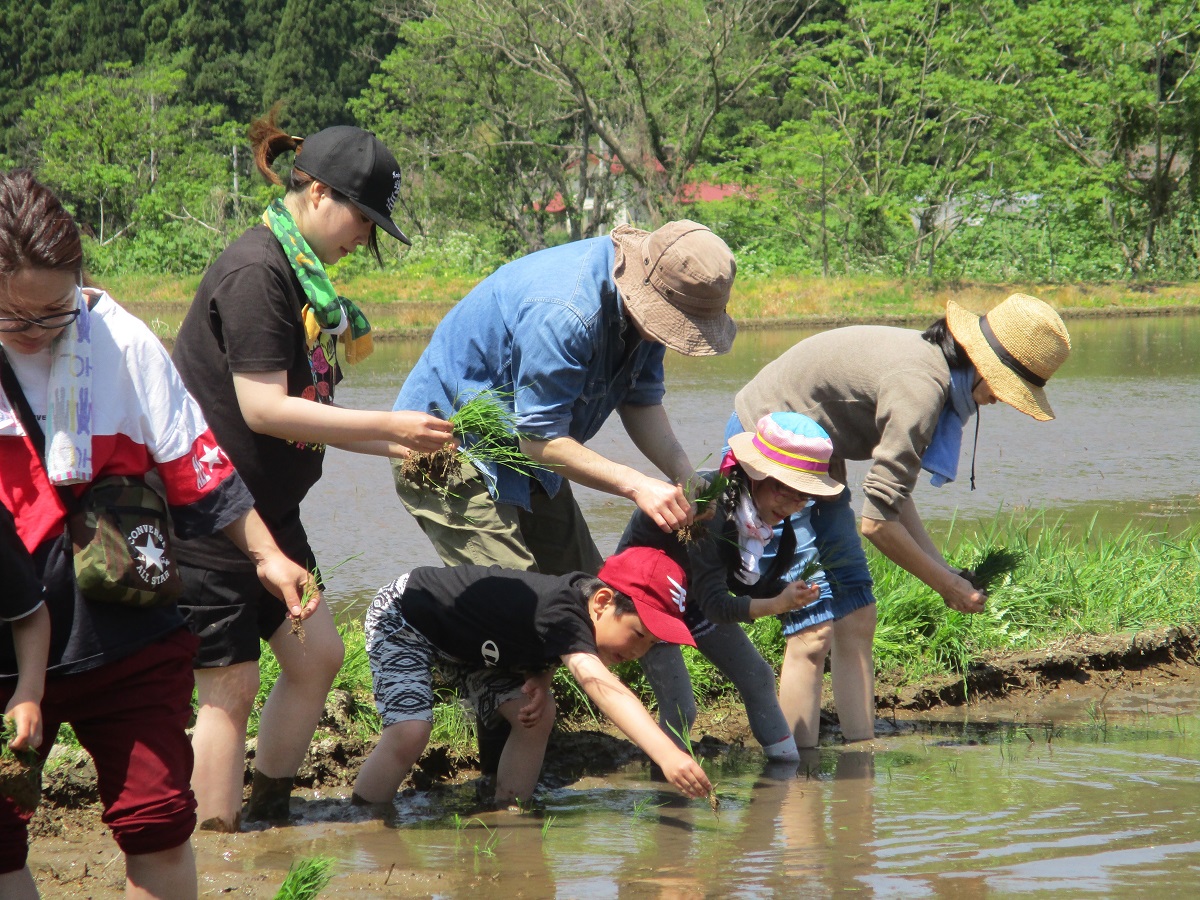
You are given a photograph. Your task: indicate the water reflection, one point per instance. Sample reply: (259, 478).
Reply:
(1123, 448)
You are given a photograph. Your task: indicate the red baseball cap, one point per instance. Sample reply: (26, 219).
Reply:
(658, 588)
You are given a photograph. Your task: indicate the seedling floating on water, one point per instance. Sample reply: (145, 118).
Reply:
(487, 428)
(306, 878)
(20, 771)
(704, 510)
(992, 566)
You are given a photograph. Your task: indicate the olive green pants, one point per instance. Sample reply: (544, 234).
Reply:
(468, 527)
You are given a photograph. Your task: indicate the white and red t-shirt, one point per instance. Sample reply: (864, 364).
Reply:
(143, 419)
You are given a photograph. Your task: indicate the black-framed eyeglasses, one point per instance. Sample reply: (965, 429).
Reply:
(13, 324)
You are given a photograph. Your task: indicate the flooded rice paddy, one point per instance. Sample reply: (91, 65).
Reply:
(1096, 794)
(1084, 792)
(1101, 806)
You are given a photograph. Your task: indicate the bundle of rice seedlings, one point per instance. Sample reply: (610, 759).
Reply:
(993, 565)
(487, 429)
(704, 504)
(20, 771)
(306, 878)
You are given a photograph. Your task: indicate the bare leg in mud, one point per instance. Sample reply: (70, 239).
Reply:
(224, 697)
(399, 747)
(801, 679)
(521, 761)
(853, 673)
(166, 874)
(294, 707)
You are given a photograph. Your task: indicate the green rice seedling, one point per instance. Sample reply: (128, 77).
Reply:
(546, 823)
(705, 508)
(645, 806)
(486, 426)
(310, 591)
(488, 847)
(306, 878)
(20, 771)
(995, 564)
(714, 802)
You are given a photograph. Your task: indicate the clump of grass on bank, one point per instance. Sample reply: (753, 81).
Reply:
(1068, 583)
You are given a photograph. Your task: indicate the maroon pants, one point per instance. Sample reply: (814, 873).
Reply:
(130, 715)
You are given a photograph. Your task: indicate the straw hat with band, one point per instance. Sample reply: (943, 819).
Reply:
(675, 283)
(1016, 348)
(792, 449)
(356, 164)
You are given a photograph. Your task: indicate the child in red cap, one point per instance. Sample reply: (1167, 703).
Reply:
(498, 635)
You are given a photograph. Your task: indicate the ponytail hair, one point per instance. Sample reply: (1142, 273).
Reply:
(268, 142)
(939, 335)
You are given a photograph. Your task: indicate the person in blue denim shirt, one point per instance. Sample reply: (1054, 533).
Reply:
(569, 334)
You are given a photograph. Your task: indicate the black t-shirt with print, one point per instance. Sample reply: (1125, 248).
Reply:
(246, 318)
(500, 618)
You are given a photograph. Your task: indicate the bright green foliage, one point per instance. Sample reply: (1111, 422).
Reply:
(129, 161)
(306, 878)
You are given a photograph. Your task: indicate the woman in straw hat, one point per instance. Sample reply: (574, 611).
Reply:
(899, 398)
(741, 569)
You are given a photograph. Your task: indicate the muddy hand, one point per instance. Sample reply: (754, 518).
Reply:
(27, 722)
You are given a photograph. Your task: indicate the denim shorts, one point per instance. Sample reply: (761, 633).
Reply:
(840, 549)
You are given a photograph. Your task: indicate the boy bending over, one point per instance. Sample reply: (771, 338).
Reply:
(498, 634)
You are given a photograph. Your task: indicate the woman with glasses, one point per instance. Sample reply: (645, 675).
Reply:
(86, 392)
(740, 570)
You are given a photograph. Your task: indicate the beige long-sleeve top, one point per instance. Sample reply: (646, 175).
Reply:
(877, 390)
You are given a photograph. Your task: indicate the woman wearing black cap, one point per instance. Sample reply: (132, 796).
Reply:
(258, 350)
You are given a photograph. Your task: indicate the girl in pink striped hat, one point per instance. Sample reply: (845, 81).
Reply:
(740, 570)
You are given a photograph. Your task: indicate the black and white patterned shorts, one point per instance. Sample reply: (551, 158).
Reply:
(402, 662)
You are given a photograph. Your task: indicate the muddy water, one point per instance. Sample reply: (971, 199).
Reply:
(1124, 448)
(1103, 807)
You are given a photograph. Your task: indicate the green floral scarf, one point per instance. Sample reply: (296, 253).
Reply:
(325, 308)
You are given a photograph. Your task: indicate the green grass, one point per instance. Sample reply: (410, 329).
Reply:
(306, 878)
(1070, 582)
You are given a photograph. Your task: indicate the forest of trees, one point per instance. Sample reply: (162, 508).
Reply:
(992, 140)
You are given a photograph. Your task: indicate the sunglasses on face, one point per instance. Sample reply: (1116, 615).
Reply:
(13, 324)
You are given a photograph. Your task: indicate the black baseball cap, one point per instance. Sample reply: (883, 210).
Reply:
(355, 163)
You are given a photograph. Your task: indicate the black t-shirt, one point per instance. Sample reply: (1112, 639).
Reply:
(246, 318)
(500, 618)
(22, 588)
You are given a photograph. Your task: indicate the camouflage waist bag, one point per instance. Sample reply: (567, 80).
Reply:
(120, 532)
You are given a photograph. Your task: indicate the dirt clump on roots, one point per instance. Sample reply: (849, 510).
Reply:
(436, 468)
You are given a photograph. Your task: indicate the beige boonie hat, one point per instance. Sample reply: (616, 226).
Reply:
(675, 283)
(1016, 348)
